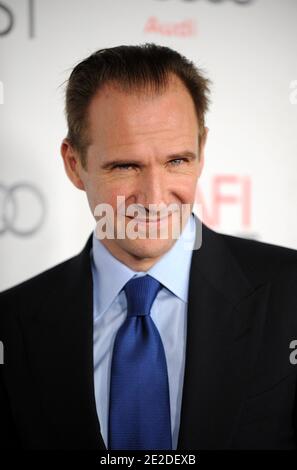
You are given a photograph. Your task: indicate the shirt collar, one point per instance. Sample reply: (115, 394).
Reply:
(172, 269)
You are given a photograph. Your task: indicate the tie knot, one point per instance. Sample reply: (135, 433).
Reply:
(141, 293)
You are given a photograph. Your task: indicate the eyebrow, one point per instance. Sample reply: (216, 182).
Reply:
(185, 154)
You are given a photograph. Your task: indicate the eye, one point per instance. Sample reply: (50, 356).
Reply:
(124, 166)
(177, 161)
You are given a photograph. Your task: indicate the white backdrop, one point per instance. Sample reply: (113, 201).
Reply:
(247, 48)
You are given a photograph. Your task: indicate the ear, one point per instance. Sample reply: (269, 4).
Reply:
(202, 144)
(72, 164)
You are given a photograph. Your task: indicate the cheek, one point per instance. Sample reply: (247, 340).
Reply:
(106, 191)
(103, 191)
(115, 194)
(185, 188)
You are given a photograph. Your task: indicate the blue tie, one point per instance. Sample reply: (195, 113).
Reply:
(139, 406)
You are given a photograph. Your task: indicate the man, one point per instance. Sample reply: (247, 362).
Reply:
(142, 343)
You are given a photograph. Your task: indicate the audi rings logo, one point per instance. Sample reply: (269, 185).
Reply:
(8, 18)
(23, 209)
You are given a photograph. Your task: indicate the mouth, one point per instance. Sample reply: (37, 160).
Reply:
(148, 221)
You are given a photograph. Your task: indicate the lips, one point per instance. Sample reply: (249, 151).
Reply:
(153, 221)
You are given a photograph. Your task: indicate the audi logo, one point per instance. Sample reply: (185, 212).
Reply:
(7, 18)
(23, 209)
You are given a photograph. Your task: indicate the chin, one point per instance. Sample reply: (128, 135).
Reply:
(148, 248)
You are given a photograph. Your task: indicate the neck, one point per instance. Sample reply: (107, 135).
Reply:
(132, 260)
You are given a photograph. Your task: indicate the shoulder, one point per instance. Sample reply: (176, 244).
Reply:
(261, 259)
(35, 286)
(47, 283)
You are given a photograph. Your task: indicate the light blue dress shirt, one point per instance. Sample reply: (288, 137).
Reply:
(169, 312)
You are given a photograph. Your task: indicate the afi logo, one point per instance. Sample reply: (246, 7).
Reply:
(227, 190)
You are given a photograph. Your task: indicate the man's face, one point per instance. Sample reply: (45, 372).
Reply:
(144, 148)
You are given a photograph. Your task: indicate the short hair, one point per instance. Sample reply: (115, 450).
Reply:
(133, 68)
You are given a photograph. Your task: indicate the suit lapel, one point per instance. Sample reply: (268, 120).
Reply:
(225, 318)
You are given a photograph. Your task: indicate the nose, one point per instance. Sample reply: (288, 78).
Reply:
(152, 187)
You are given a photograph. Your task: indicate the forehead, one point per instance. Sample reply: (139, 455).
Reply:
(113, 103)
(119, 115)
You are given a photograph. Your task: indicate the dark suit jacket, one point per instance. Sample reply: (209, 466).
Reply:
(239, 388)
